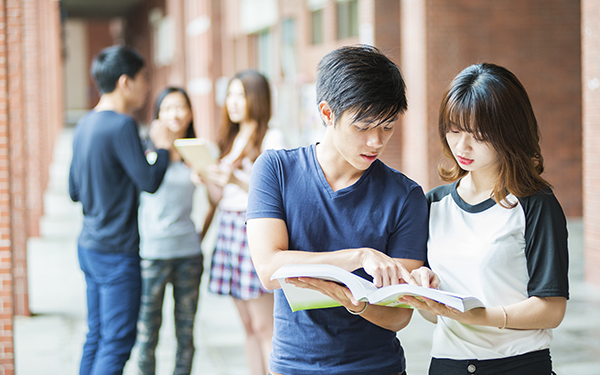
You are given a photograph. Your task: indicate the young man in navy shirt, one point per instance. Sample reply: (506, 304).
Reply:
(334, 202)
(108, 171)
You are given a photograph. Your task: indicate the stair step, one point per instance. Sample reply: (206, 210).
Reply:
(54, 285)
(61, 205)
(60, 228)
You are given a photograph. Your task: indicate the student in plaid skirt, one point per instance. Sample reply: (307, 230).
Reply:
(244, 135)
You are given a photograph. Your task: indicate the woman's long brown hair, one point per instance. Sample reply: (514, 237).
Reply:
(258, 108)
(489, 101)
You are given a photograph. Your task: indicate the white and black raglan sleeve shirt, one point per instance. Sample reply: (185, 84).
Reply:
(501, 256)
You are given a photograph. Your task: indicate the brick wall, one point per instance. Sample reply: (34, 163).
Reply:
(18, 160)
(540, 42)
(590, 31)
(30, 118)
(98, 38)
(203, 62)
(6, 290)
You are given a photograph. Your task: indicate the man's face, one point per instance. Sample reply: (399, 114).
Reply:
(361, 143)
(138, 89)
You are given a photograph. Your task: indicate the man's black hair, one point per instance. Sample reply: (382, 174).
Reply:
(362, 80)
(112, 63)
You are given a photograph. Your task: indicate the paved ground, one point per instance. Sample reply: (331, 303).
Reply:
(50, 342)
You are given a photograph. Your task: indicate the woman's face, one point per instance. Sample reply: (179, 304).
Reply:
(236, 102)
(175, 112)
(471, 153)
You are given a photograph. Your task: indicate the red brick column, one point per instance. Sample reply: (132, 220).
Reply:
(203, 62)
(415, 146)
(6, 219)
(51, 92)
(32, 67)
(386, 36)
(18, 157)
(55, 92)
(590, 32)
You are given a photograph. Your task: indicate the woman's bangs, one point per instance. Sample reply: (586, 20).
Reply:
(464, 116)
(458, 116)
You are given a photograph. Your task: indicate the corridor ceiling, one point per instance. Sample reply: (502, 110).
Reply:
(98, 8)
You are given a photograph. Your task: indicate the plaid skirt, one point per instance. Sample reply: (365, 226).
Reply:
(232, 271)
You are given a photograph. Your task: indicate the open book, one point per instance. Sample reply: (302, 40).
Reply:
(197, 152)
(363, 290)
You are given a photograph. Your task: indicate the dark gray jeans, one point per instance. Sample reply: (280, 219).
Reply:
(184, 274)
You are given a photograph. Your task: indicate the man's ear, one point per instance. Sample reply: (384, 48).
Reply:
(123, 82)
(326, 113)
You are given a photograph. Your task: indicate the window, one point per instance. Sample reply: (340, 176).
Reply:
(347, 18)
(288, 48)
(316, 18)
(264, 52)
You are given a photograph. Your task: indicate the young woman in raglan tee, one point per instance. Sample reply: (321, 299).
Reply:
(497, 233)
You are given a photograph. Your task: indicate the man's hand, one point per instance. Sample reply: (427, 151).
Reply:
(384, 270)
(331, 289)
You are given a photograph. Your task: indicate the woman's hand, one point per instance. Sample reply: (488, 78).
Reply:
(161, 136)
(214, 191)
(219, 174)
(435, 308)
(425, 277)
(430, 309)
(532, 313)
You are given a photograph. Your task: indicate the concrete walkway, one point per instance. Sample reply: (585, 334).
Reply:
(50, 341)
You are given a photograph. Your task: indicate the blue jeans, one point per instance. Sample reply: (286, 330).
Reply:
(184, 274)
(113, 302)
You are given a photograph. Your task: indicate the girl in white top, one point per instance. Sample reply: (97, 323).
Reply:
(497, 233)
(244, 135)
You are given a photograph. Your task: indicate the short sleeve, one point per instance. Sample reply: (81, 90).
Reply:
(409, 240)
(546, 247)
(265, 192)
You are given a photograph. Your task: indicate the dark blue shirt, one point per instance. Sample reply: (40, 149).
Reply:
(383, 210)
(108, 171)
